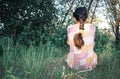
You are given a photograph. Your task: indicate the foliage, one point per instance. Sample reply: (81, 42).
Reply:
(101, 40)
(27, 62)
(46, 61)
(27, 21)
(60, 37)
(66, 8)
(113, 11)
(36, 21)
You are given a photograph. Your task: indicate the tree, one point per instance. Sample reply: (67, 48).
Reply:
(28, 21)
(97, 1)
(69, 6)
(113, 8)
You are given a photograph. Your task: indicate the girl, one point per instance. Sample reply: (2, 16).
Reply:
(81, 41)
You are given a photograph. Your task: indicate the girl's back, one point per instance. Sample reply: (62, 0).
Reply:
(85, 57)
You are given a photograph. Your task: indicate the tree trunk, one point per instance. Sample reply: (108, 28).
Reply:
(67, 12)
(114, 18)
(117, 34)
(94, 11)
(91, 1)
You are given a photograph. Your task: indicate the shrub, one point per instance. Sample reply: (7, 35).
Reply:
(60, 37)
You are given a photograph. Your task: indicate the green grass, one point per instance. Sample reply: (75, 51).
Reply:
(47, 62)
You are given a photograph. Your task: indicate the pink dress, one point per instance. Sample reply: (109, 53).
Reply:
(85, 57)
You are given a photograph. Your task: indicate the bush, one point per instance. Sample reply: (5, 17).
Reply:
(28, 23)
(101, 40)
(60, 37)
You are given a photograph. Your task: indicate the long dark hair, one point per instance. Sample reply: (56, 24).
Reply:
(80, 15)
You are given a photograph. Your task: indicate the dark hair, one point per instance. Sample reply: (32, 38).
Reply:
(80, 14)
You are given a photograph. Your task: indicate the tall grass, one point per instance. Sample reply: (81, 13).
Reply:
(46, 61)
(28, 62)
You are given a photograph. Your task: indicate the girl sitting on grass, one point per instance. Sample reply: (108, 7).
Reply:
(81, 42)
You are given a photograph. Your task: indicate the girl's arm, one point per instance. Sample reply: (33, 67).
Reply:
(68, 41)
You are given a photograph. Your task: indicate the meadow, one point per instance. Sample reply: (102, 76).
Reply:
(33, 38)
(46, 61)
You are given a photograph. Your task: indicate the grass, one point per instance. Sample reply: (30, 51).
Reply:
(47, 62)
